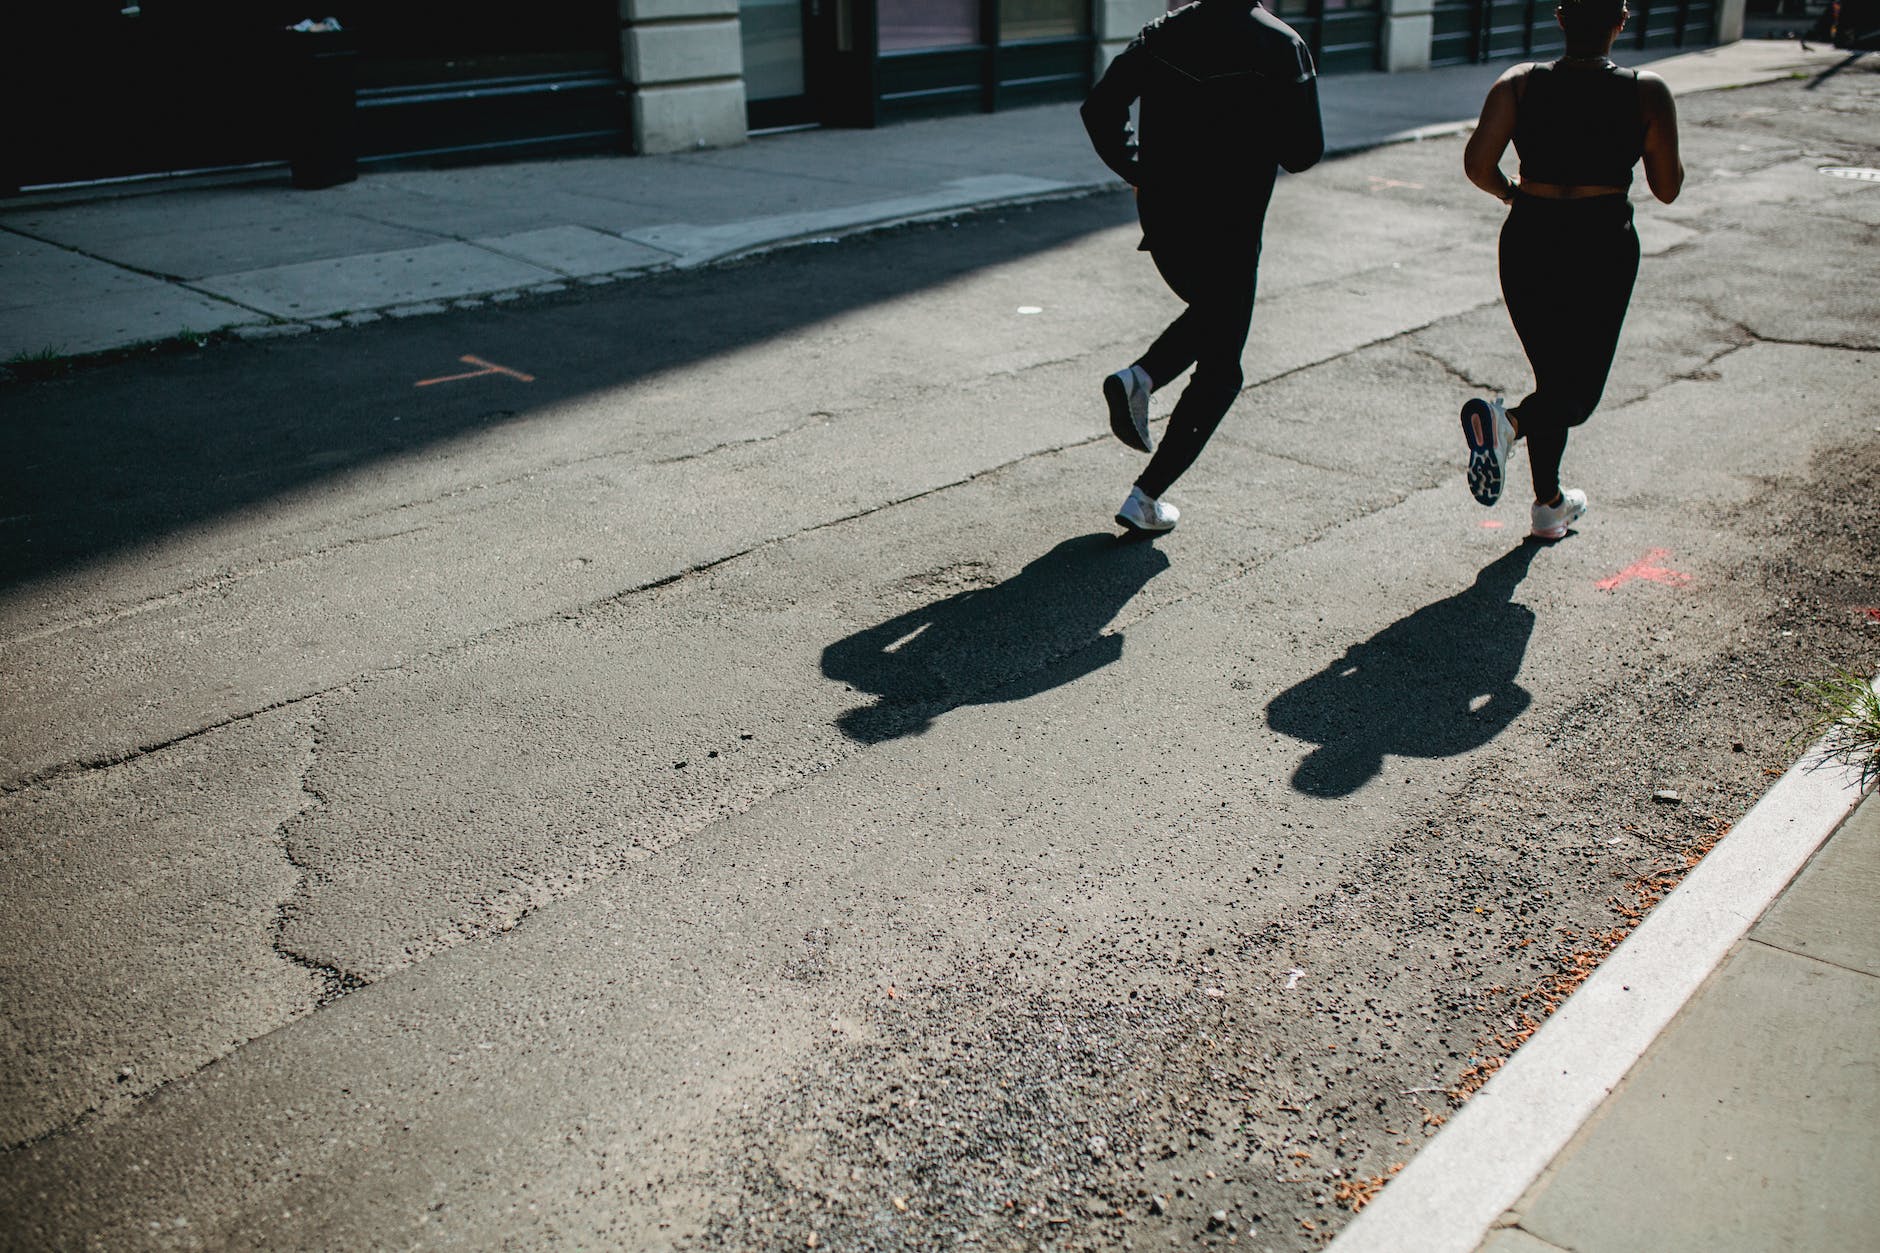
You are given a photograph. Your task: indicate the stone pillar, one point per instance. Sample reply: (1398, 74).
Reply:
(1117, 23)
(1409, 26)
(1729, 21)
(685, 73)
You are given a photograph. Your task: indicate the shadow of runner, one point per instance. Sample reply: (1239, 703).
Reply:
(1435, 684)
(1038, 629)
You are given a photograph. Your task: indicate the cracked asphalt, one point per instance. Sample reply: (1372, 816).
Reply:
(736, 789)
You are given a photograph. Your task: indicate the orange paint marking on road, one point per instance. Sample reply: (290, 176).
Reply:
(1492, 525)
(484, 368)
(1645, 567)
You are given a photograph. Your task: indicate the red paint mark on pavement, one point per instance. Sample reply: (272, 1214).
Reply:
(1492, 525)
(1873, 613)
(484, 367)
(1645, 567)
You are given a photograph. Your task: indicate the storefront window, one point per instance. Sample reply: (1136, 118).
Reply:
(910, 24)
(1040, 19)
(1293, 10)
(772, 31)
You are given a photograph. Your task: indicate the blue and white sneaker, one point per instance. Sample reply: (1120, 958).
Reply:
(1145, 513)
(1127, 391)
(1491, 437)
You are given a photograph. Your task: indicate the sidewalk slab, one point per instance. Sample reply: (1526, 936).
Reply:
(1832, 913)
(1752, 1125)
(698, 245)
(317, 289)
(575, 251)
(61, 302)
(193, 234)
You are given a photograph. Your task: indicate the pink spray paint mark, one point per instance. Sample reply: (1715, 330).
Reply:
(1645, 567)
(485, 368)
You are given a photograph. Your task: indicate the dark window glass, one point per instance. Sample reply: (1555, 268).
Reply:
(772, 31)
(1040, 19)
(909, 24)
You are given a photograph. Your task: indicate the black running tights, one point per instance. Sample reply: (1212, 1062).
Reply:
(1567, 269)
(1217, 281)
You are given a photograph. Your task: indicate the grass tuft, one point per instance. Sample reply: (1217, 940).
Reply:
(1844, 713)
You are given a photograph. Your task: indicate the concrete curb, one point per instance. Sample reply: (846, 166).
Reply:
(1482, 1163)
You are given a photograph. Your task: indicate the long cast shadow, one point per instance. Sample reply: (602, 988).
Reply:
(119, 455)
(1008, 641)
(1435, 684)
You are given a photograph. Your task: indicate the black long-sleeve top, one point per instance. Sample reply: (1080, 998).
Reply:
(1229, 96)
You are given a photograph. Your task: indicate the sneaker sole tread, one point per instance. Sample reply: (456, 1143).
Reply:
(1121, 424)
(1485, 474)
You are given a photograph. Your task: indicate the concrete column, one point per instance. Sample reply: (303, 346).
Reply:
(1117, 23)
(1409, 26)
(1729, 21)
(685, 73)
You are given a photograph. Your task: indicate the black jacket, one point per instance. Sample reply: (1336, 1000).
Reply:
(1228, 97)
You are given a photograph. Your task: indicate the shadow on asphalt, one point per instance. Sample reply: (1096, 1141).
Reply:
(117, 456)
(1037, 630)
(1435, 684)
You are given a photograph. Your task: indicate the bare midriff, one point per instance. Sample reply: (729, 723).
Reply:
(1566, 191)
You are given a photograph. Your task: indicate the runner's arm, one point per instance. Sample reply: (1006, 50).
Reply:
(1664, 167)
(1106, 113)
(1302, 142)
(1481, 160)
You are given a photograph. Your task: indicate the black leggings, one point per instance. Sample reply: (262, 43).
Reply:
(1216, 278)
(1567, 268)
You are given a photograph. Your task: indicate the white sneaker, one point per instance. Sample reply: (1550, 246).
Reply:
(1142, 513)
(1491, 437)
(1128, 394)
(1551, 521)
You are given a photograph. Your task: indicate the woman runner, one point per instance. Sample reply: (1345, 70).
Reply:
(1568, 253)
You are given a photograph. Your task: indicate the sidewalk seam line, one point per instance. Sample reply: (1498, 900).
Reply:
(1807, 957)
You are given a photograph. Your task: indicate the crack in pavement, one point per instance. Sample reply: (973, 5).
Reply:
(1829, 344)
(218, 583)
(335, 982)
(70, 769)
(816, 418)
(1454, 371)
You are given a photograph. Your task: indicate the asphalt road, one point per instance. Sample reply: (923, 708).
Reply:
(731, 785)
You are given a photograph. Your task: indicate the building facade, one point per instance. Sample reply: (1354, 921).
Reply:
(121, 88)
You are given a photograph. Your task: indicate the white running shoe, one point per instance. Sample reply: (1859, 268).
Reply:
(1127, 391)
(1552, 521)
(1143, 513)
(1491, 438)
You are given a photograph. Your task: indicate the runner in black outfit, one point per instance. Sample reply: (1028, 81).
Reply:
(1228, 96)
(1568, 253)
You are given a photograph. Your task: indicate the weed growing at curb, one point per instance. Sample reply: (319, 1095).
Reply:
(1844, 714)
(49, 363)
(45, 363)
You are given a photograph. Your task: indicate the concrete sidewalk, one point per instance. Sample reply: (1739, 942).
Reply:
(1712, 1086)
(1753, 1122)
(89, 270)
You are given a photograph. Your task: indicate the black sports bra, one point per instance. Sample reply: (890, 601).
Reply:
(1579, 126)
